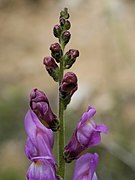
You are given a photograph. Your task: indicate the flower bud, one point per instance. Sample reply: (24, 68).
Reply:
(70, 58)
(66, 37)
(64, 13)
(68, 87)
(51, 67)
(57, 31)
(65, 23)
(56, 51)
(62, 21)
(69, 83)
(40, 105)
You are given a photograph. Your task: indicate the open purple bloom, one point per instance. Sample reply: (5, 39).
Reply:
(85, 167)
(40, 139)
(40, 105)
(86, 134)
(38, 149)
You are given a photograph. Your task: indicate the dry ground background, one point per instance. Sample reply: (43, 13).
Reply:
(104, 33)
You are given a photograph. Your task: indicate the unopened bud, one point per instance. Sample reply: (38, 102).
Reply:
(57, 31)
(65, 24)
(68, 87)
(70, 58)
(56, 51)
(51, 67)
(62, 21)
(64, 13)
(40, 105)
(66, 37)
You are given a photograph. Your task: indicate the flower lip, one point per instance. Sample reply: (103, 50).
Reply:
(40, 158)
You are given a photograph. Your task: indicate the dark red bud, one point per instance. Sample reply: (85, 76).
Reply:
(57, 31)
(56, 51)
(51, 67)
(55, 47)
(49, 62)
(66, 37)
(62, 21)
(69, 83)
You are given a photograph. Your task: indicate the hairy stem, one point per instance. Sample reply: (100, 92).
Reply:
(62, 126)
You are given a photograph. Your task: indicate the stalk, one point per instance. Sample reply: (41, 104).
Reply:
(62, 125)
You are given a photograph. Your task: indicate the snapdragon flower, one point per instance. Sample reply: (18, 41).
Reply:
(38, 149)
(86, 134)
(85, 167)
(40, 139)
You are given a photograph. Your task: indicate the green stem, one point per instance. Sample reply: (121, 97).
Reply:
(62, 126)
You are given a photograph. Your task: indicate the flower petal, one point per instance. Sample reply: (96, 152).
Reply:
(42, 169)
(34, 126)
(85, 167)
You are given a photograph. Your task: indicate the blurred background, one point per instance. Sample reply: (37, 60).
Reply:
(104, 33)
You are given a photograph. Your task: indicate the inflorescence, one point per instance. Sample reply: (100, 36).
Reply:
(40, 121)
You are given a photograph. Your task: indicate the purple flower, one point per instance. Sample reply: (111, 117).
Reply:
(40, 139)
(85, 167)
(38, 149)
(86, 134)
(40, 105)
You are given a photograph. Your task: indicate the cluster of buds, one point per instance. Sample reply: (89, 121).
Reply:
(40, 121)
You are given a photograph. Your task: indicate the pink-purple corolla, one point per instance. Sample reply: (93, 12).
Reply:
(86, 134)
(85, 167)
(38, 149)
